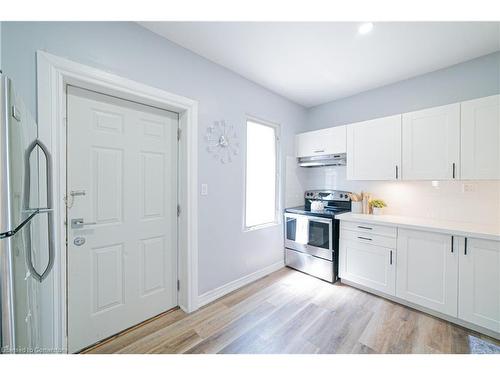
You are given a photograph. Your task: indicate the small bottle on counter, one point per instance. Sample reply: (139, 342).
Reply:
(366, 202)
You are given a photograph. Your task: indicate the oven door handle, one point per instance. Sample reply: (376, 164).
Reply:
(308, 217)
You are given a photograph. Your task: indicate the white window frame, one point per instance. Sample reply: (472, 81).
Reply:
(277, 217)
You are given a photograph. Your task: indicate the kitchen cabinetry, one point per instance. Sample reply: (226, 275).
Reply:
(374, 149)
(368, 259)
(427, 270)
(455, 141)
(479, 283)
(480, 139)
(431, 143)
(451, 274)
(321, 142)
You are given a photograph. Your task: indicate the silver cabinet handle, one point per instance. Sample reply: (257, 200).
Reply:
(453, 167)
(390, 260)
(397, 174)
(362, 227)
(465, 246)
(318, 151)
(80, 223)
(48, 210)
(452, 244)
(365, 238)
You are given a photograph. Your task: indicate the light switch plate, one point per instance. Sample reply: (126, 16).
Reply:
(204, 189)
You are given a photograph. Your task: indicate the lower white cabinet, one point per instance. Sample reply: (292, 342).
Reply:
(427, 270)
(453, 275)
(366, 263)
(479, 283)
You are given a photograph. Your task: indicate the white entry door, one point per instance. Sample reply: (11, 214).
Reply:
(122, 184)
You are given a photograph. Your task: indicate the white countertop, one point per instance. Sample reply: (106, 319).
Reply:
(488, 232)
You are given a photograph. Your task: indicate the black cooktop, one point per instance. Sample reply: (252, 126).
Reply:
(328, 213)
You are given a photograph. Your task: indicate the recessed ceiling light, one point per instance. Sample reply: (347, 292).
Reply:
(365, 28)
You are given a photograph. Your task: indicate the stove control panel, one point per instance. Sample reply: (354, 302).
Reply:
(327, 195)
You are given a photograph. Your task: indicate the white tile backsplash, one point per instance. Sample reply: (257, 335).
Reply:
(477, 202)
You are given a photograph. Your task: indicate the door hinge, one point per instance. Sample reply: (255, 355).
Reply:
(178, 285)
(179, 132)
(178, 210)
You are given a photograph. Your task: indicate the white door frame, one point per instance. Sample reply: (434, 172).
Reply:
(53, 75)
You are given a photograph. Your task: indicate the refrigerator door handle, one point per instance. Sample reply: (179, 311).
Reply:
(49, 210)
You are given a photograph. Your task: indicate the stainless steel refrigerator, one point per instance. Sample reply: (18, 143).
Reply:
(26, 226)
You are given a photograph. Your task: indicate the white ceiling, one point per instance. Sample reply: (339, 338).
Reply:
(313, 63)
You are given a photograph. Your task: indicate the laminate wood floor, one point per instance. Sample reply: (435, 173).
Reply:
(290, 312)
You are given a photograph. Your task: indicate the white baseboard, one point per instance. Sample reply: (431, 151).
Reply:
(216, 293)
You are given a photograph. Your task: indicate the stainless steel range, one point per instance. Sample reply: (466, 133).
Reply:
(312, 233)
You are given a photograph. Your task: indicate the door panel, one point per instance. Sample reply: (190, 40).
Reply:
(122, 163)
(108, 185)
(107, 277)
(374, 149)
(479, 298)
(427, 270)
(368, 265)
(152, 187)
(431, 143)
(480, 138)
(152, 265)
(321, 142)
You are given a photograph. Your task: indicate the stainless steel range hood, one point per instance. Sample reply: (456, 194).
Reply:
(323, 160)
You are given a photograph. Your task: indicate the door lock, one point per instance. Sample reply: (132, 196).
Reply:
(79, 241)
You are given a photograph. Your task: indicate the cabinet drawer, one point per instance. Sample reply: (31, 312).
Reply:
(381, 230)
(368, 238)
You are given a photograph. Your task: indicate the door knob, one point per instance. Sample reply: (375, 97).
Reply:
(79, 223)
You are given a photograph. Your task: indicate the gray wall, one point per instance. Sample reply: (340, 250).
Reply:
(468, 80)
(226, 252)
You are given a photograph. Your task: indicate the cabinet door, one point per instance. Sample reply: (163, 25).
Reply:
(374, 149)
(368, 265)
(480, 138)
(479, 283)
(321, 142)
(431, 143)
(427, 270)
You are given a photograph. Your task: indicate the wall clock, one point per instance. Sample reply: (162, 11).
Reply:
(222, 141)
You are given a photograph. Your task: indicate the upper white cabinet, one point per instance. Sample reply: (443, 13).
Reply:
(427, 270)
(479, 283)
(374, 149)
(480, 138)
(431, 143)
(321, 142)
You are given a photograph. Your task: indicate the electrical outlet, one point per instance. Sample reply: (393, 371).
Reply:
(468, 187)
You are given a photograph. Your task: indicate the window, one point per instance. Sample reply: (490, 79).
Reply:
(261, 205)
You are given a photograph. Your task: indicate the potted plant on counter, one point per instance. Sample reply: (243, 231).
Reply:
(377, 206)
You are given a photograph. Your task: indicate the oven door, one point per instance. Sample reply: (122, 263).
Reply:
(309, 234)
